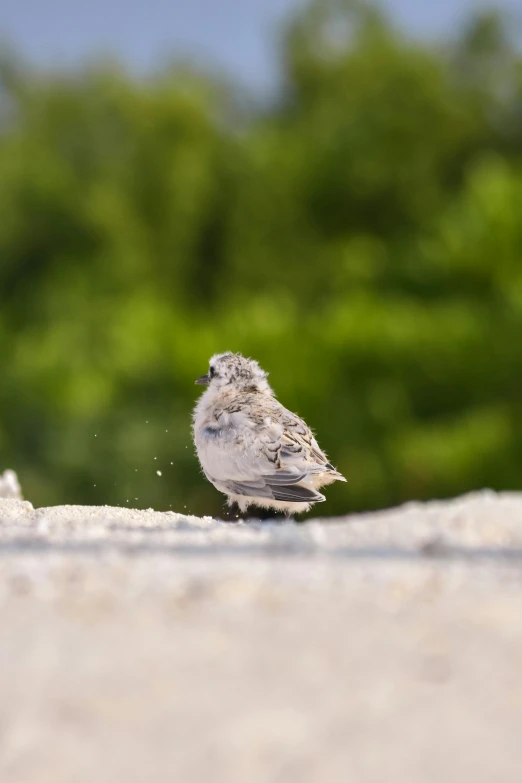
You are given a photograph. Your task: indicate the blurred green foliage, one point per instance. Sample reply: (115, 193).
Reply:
(361, 236)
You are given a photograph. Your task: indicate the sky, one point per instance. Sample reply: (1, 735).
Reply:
(235, 36)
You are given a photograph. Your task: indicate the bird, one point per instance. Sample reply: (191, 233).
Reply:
(250, 447)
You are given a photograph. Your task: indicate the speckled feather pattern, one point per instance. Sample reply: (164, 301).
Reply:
(250, 446)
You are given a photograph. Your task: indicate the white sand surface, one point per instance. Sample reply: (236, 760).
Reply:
(140, 646)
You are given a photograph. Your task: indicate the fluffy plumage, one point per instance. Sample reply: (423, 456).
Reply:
(250, 447)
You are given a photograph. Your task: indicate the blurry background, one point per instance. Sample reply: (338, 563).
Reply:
(332, 188)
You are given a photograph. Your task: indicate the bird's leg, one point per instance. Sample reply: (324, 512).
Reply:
(233, 512)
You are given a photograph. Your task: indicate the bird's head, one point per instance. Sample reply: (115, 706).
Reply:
(233, 371)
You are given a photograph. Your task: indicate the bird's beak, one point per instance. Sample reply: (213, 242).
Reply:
(204, 380)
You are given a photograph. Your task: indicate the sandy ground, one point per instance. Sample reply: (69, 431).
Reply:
(138, 645)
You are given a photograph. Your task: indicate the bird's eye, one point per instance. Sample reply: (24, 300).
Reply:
(212, 372)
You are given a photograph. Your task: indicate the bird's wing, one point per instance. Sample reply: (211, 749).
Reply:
(268, 454)
(298, 447)
(263, 489)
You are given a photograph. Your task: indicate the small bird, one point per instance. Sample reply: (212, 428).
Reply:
(250, 447)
